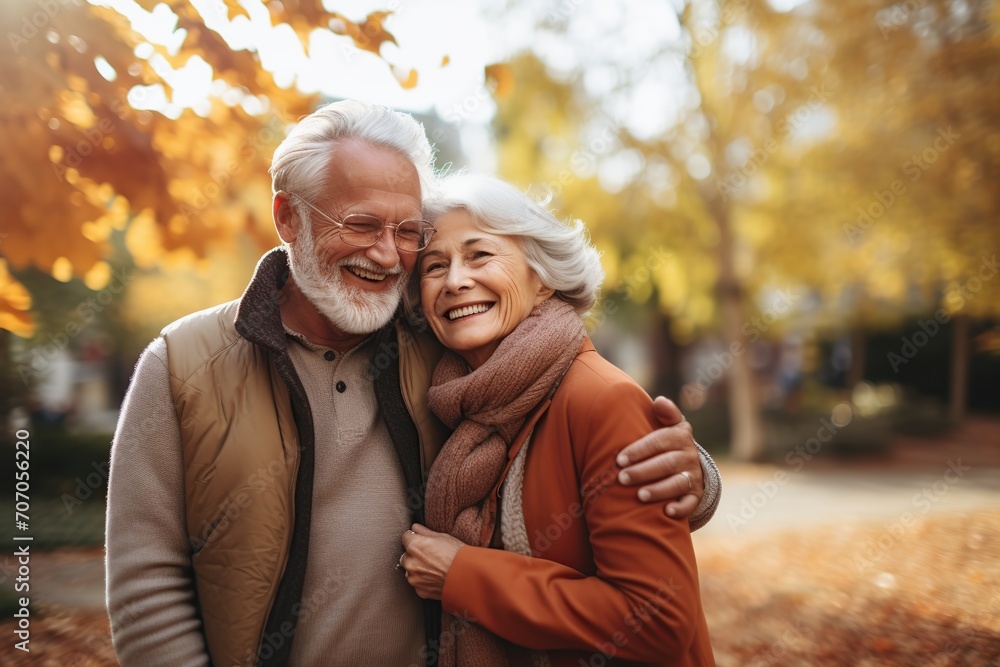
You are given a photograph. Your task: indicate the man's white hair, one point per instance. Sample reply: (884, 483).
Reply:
(561, 254)
(300, 162)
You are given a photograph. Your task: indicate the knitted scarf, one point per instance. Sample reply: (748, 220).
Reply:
(487, 408)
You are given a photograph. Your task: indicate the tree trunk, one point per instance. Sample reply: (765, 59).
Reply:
(959, 368)
(666, 360)
(856, 373)
(747, 439)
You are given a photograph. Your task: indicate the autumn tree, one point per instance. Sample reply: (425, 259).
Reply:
(84, 159)
(782, 128)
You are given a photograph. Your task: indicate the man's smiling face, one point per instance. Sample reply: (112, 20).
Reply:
(357, 289)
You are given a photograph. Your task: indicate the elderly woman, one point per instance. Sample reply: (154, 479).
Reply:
(537, 555)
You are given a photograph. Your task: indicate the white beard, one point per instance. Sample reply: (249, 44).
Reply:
(349, 309)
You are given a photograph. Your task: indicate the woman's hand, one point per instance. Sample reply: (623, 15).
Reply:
(666, 463)
(427, 559)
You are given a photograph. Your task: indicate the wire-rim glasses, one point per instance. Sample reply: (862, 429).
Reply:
(363, 230)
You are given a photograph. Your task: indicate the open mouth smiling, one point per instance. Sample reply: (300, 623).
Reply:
(466, 311)
(365, 274)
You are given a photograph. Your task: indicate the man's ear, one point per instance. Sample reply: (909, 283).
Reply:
(286, 222)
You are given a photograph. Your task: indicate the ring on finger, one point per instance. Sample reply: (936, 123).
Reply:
(399, 565)
(687, 476)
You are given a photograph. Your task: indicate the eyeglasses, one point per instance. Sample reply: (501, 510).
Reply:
(363, 230)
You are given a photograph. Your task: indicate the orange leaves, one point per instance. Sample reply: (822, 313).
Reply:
(812, 605)
(500, 79)
(234, 9)
(81, 163)
(14, 304)
(369, 35)
(409, 80)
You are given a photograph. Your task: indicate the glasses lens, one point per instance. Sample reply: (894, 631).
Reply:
(411, 235)
(361, 230)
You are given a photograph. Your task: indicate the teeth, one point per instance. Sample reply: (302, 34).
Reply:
(469, 310)
(358, 271)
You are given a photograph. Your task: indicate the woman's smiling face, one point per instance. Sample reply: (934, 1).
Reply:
(475, 287)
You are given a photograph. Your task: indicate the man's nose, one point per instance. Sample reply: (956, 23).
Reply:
(384, 252)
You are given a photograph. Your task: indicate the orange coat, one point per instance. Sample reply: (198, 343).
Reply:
(611, 578)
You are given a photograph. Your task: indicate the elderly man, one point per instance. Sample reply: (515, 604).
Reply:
(272, 450)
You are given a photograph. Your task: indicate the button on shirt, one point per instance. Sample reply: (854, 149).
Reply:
(357, 607)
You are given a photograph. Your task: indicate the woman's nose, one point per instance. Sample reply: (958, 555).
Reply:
(458, 278)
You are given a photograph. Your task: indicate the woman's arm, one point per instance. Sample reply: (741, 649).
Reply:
(643, 603)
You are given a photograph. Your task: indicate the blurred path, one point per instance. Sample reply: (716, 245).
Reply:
(956, 472)
(764, 498)
(69, 578)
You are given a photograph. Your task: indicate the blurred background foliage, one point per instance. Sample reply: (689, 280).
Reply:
(782, 191)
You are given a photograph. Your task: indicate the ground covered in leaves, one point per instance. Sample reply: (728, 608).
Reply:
(862, 595)
(868, 594)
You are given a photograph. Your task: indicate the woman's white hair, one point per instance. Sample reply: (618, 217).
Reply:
(300, 162)
(561, 254)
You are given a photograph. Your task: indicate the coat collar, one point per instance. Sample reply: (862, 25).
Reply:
(258, 315)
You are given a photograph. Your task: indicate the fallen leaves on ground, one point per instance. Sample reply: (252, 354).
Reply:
(863, 594)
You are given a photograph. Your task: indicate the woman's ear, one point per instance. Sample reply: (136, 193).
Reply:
(285, 220)
(543, 294)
